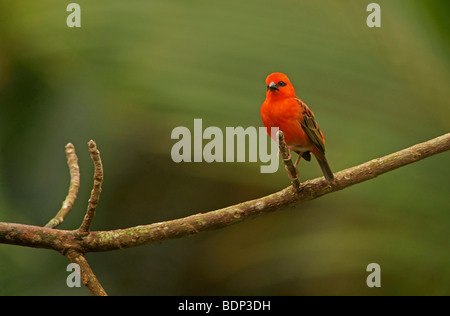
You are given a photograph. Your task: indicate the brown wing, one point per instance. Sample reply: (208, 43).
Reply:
(310, 127)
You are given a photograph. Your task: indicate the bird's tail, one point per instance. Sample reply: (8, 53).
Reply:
(326, 170)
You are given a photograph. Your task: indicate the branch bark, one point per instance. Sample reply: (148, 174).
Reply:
(74, 243)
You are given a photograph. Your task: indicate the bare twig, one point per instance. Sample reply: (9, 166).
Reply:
(96, 190)
(286, 155)
(72, 162)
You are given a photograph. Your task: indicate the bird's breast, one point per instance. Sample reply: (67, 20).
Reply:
(286, 115)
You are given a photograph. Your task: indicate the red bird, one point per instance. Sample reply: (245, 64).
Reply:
(283, 109)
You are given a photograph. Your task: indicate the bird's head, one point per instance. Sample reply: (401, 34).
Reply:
(278, 85)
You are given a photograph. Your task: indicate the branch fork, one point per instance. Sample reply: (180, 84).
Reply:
(75, 254)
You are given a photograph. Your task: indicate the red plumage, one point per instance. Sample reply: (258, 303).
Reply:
(283, 109)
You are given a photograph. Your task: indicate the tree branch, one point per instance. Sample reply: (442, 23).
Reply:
(72, 162)
(286, 155)
(74, 244)
(87, 275)
(97, 189)
(312, 189)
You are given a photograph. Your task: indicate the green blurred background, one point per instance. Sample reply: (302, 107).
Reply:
(137, 69)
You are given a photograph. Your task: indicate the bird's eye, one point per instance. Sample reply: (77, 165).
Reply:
(281, 83)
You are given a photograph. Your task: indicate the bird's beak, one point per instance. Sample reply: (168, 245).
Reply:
(272, 86)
